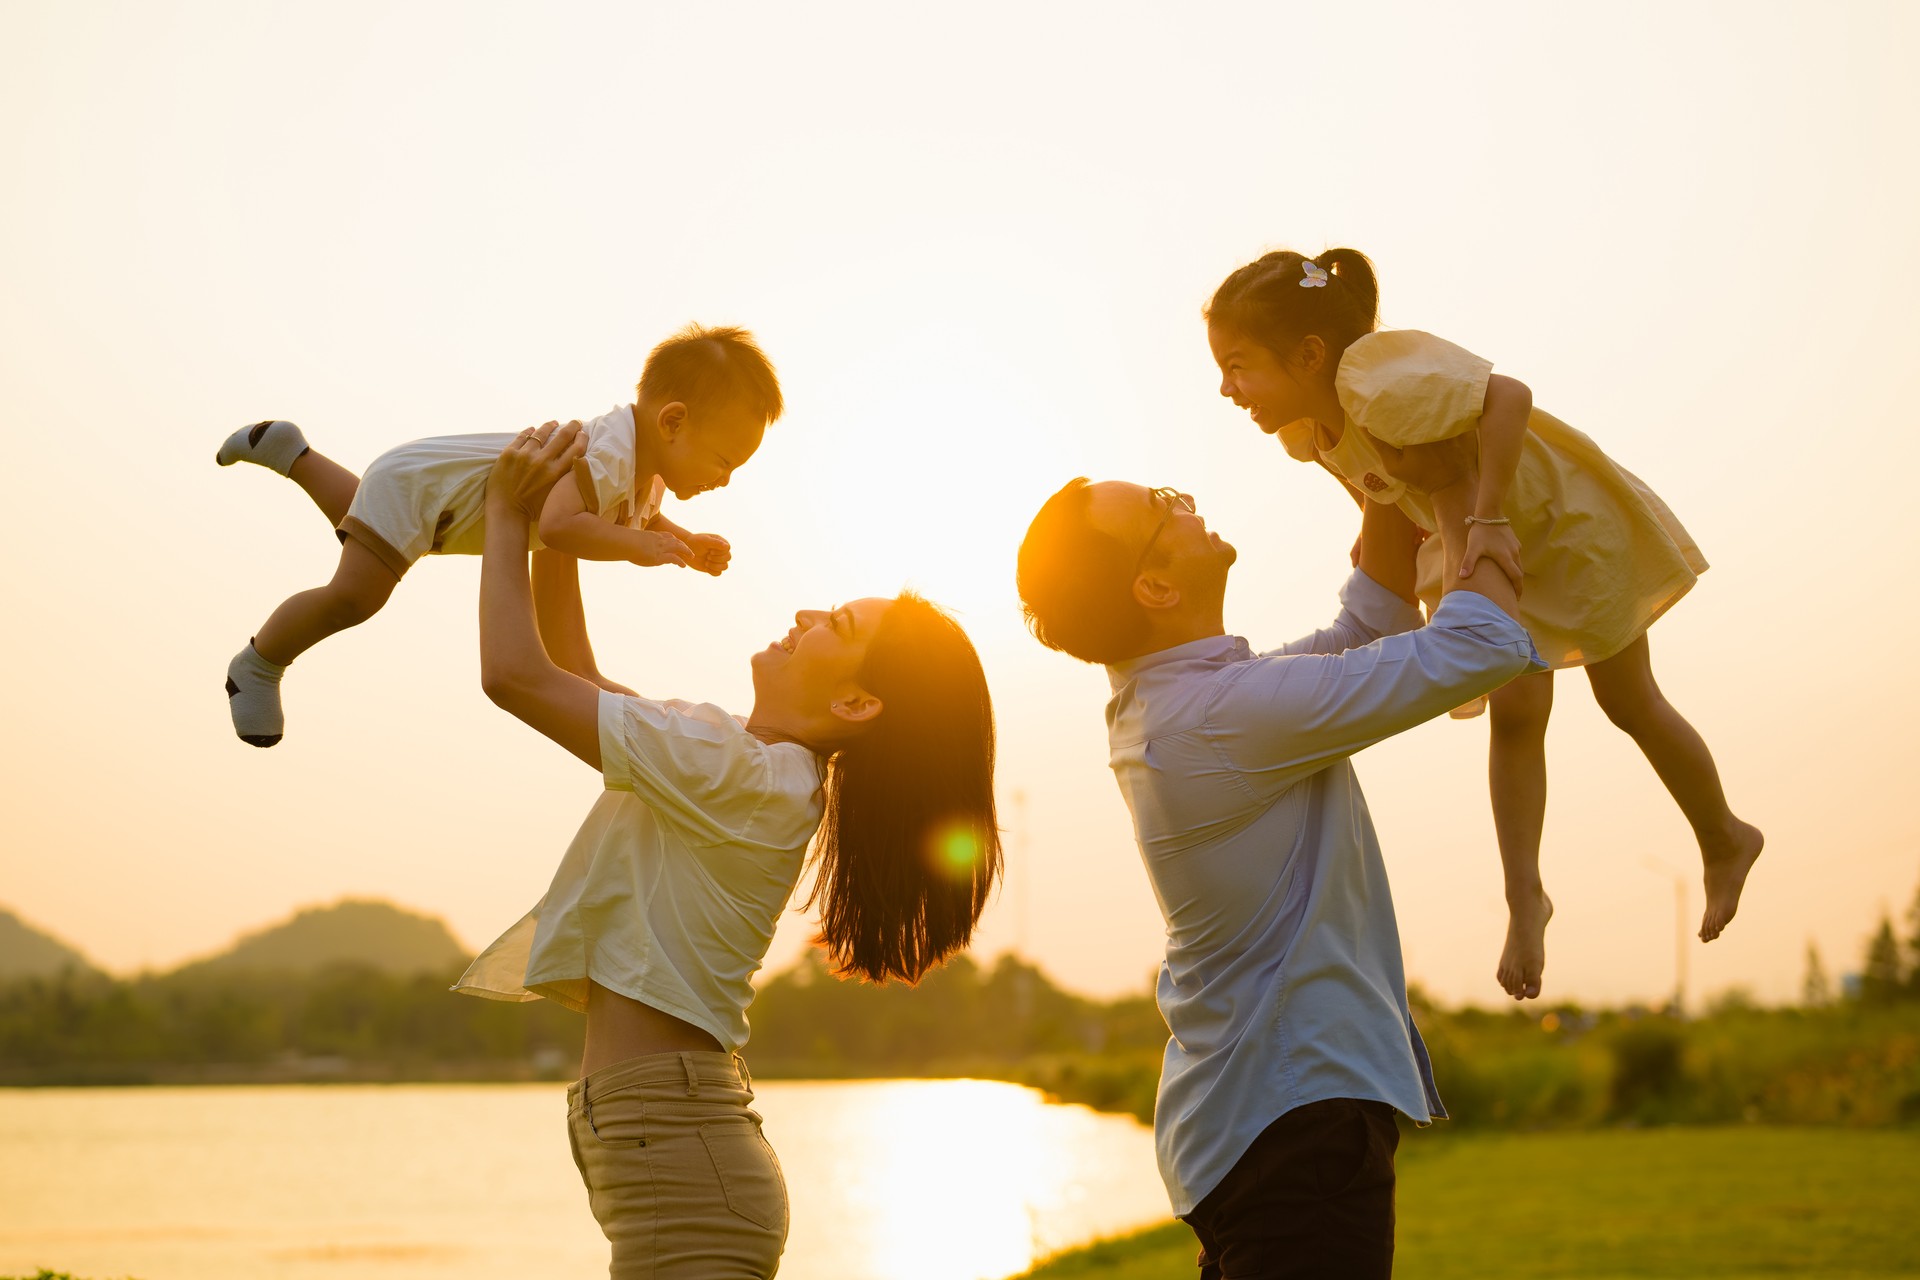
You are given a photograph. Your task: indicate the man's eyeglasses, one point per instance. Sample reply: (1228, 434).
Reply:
(1175, 501)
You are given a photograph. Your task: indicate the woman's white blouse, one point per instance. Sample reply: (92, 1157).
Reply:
(670, 892)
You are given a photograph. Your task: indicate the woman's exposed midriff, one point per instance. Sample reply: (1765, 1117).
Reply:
(619, 1028)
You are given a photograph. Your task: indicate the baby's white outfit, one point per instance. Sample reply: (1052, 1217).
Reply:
(428, 497)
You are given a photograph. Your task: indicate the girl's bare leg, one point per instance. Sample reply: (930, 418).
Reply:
(1517, 781)
(361, 585)
(1624, 687)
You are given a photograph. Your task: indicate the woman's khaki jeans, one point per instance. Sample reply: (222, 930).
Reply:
(677, 1172)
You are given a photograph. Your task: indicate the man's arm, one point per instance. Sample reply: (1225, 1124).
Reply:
(1282, 717)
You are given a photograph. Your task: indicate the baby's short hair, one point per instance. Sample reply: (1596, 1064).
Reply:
(706, 365)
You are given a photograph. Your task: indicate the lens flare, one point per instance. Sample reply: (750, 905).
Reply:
(956, 847)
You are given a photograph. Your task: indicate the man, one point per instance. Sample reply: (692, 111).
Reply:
(1292, 1044)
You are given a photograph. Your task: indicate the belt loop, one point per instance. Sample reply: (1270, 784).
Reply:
(740, 1065)
(693, 1079)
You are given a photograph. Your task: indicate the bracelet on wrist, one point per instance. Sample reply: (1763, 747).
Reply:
(1488, 520)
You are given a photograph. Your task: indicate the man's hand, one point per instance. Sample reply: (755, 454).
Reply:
(711, 553)
(527, 468)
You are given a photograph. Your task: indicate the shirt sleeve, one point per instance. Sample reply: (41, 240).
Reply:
(1406, 387)
(605, 471)
(1367, 612)
(1281, 717)
(693, 764)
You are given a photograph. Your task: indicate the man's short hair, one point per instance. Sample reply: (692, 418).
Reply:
(1076, 582)
(702, 366)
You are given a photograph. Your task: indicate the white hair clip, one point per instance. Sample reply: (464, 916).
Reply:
(1315, 276)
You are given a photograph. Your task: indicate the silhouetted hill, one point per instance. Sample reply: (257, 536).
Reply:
(378, 935)
(26, 952)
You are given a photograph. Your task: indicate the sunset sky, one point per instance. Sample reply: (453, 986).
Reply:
(975, 240)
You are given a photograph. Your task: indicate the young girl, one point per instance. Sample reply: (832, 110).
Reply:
(704, 399)
(1597, 555)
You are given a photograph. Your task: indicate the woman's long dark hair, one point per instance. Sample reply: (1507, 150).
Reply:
(909, 850)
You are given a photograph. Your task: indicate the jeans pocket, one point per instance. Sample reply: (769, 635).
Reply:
(616, 1122)
(749, 1172)
(573, 1145)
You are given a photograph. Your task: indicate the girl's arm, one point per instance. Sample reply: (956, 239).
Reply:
(515, 671)
(1503, 429)
(562, 620)
(566, 525)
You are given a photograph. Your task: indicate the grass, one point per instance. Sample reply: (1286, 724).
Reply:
(1730, 1204)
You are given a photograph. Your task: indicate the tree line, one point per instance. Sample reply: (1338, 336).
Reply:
(1843, 1056)
(346, 1020)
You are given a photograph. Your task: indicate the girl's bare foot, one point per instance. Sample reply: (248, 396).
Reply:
(1524, 958)
(1726, 868)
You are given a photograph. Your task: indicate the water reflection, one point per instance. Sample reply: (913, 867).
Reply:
(932, 1180)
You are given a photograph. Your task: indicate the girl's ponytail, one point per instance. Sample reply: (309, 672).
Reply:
(1282, 297)
(1354, 272)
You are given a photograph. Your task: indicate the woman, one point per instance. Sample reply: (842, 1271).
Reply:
(874, 714)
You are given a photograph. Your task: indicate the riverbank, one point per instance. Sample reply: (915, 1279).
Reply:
(1722, 1203)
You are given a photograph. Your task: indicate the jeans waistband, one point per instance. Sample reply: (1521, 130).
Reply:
(683, 1073)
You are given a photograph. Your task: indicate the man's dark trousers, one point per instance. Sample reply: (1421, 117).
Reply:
(1312, 1199)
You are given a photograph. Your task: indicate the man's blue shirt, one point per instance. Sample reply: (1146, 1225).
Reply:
(1283, 981)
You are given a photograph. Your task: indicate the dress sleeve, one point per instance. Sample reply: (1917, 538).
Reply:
(605, 471)
(693, 764)
(1407, 387)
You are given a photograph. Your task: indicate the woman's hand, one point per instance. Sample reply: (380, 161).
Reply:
(528, 467)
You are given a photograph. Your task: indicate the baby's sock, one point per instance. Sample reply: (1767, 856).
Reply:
(273, 444)
(253, 696)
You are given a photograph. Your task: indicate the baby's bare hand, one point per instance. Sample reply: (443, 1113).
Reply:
(711, 552)
(661, 548)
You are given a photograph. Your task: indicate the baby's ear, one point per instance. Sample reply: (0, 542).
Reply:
(671, 420)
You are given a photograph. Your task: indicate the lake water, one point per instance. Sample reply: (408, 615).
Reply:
(890, 1180)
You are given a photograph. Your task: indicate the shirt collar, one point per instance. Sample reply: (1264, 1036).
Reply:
(1209, 649)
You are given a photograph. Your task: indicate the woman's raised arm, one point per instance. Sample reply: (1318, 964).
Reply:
(515, 670)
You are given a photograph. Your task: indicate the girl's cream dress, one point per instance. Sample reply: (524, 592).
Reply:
(1601, 554)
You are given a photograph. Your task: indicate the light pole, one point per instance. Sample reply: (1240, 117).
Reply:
(1021, 874)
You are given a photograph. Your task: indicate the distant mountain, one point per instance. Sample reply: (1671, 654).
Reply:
(353, 931)
(26, 952)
